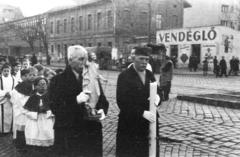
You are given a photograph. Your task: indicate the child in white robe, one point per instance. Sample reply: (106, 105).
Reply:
(19, 97)
(7, 84)
(39, 124)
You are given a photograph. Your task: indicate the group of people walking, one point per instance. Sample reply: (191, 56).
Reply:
(60, 114)
(220, 68)
(193, 63)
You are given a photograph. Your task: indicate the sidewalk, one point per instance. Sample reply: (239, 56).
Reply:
(187, 129)
(185, 71)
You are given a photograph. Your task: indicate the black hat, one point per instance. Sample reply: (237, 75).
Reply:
(144, 51)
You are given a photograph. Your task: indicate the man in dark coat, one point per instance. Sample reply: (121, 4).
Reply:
(34, 60)
(223, 67)
(132, 99)
(215, 63)
(232, 66)
(67, 100)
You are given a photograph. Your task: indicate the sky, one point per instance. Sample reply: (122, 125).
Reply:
(34, 7)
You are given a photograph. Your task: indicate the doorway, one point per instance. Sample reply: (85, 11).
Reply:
(196, 51)
(174, 51)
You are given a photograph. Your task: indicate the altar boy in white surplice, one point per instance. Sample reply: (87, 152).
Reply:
(39, 118)
(7, 84)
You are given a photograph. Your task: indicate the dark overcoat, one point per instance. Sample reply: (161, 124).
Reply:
(68, 125)
(63, 90)
(132, 99)
(73, 134)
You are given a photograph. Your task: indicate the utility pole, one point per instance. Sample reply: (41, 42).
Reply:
(114, 22)
(149, 20)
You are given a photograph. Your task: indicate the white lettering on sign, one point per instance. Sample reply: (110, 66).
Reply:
(187, 36)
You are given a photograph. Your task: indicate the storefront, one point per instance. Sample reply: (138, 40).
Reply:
(200, 42)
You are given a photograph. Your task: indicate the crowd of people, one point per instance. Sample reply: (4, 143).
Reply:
(59, 113)
(220, 68)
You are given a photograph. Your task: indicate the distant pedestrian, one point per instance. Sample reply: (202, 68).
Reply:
(237, 65)
(174, 61)
(166, 73)
(205, 67)
(215, 63)
(217, 70)
(223, 67)
(34, 60)
(190, 64)
(195, 63)
(232, 66)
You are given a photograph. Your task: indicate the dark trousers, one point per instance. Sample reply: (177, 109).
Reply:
(132, 146)
(92, 139)
(73, 142)
(20, 143)
(68, 142)
(165, 91)
(223, 72)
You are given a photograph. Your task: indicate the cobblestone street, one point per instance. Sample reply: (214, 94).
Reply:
(186, 129)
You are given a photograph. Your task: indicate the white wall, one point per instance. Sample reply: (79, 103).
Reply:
(216, 46)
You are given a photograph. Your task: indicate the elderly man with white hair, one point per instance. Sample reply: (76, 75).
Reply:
(69, 93)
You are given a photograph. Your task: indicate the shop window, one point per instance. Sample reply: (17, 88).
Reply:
(99, 20)
(109, 19)
(65, 25)
(110, 44)
(224, 8)
(159, 21)
(89, 26)
(99, 44)
(59, 50)
(72, 24)
(90, 44)
(52, 49)
(80, 23)
(58, 26)
(224, 23)
(174, 21)
(51, 30)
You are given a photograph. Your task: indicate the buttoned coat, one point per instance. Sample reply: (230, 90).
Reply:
(62, 93)
(132, 99)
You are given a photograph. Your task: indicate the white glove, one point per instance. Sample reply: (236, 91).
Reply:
(103, 116)
(82, 97)
(49, 114)
(151, 117)
(157, 100)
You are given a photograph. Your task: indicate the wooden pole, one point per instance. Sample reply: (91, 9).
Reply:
(153, 131)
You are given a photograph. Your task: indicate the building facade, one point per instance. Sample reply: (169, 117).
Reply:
(202, 42)
(118, 24)
(213, 12)
(22, 37)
